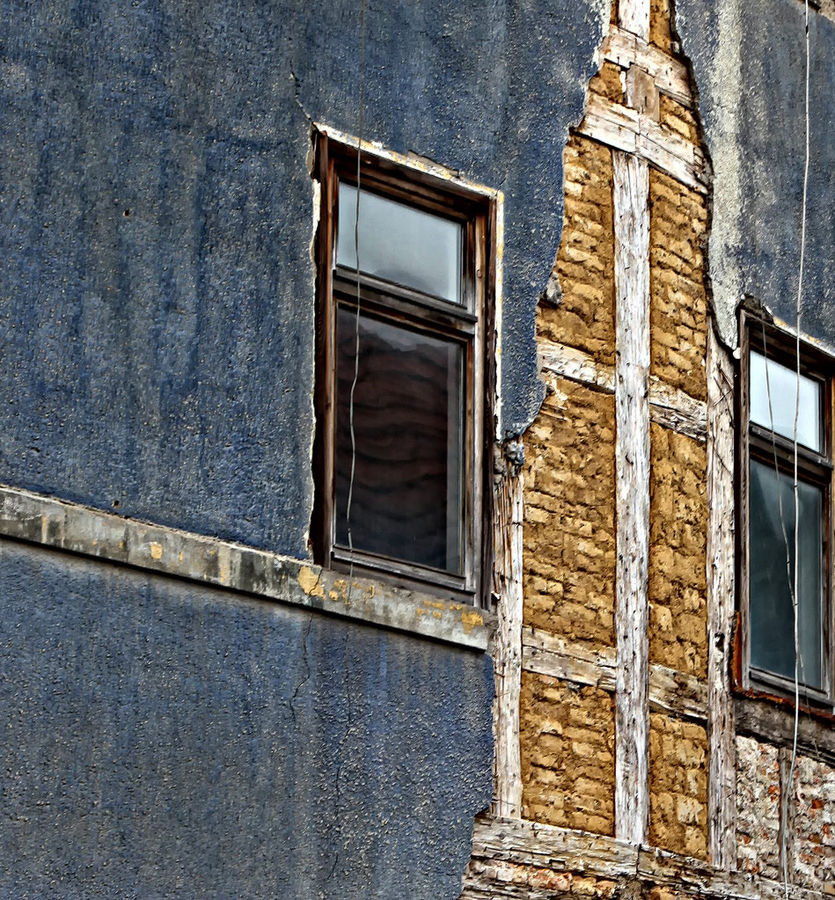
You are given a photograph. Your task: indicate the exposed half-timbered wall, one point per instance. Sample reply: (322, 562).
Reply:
(633, 779)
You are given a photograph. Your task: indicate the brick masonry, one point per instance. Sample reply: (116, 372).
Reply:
(585, 261)
(569, 544)
(567, 743)
(813, 845)
(677, 580)
(678, 786)
(758, 808)
(678, 316)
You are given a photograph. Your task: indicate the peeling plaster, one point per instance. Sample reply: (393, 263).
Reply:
(749, 66)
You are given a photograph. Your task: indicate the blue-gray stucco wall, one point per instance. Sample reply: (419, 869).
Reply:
(156, 290)
(156, 337)
(163, 739)
(749, 62)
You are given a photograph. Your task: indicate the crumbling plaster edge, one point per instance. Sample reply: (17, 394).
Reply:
(69, 527)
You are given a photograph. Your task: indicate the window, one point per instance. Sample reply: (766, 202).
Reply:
(403, 375)
(770, 389)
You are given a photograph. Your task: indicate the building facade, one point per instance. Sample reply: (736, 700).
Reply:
(422, 524)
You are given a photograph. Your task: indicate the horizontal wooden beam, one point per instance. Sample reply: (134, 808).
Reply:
(766, 721)
(504, 844)
(628, 130)
(670, 74)
(669, 406)
(553, 655)
(670, 691)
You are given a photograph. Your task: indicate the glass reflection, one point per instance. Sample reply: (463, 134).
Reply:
(772, 618)
(782, 388)
(408, 422)
(400, 243)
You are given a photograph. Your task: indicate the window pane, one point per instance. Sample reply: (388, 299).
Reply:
(408, 426)
(772, 618)
(400, 243)
(782, 388)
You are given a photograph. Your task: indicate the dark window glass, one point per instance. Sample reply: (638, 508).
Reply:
(772, 618)
(408, 421)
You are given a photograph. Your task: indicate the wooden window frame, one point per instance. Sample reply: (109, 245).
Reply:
(759, 443)
(469, 323)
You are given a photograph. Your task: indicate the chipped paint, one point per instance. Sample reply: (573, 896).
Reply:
(310, 582)
(181, 554)
(471, 619)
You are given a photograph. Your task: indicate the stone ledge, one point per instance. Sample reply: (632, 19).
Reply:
(78, 529)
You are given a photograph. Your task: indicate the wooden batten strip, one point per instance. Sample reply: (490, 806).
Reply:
(670, 691)
(669, 406)
(633, 16)
(520, 843)
(632, 467)
(508, 643)
(679, 693)
(626, 129)
(670, 75)
(575, 365)
(721, 797)
(552, 655)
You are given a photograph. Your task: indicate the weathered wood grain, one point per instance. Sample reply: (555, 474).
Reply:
(670, 691)
(720, 604)
(670, 75)
(669, 406)
(632, 346)
(625, 129)
(633, 16)
(507, 585)
(521, 843)
(775, 725)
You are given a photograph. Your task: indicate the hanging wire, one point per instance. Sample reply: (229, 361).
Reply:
(363, 8)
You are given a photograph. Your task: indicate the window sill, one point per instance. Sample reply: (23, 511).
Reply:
(771, 719)
(69, 527)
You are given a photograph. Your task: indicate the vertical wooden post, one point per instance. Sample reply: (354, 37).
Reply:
(508, 647)
(632, 345)
(633, 16)
(721, 798)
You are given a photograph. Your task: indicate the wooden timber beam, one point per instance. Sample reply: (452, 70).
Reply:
(720, 561)
(508, 843)
(632, 132)
(670, 74)
(670, 691)
(507, 649)
(632, 468)
(669, 406)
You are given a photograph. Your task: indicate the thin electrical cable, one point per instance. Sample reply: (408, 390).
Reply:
(798, 311)
(357, 316)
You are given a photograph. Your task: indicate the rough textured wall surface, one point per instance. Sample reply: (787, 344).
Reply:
(569, 537)
(758, 808)
(567, 745)
(813, 846)
(677, 580)
(678, 311)
(678, 785)
(156, 297)
(748, 57)
(162, 739)
(585, 316)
